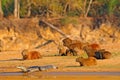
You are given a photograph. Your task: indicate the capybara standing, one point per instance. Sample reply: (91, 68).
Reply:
(67, 42)
(30, 55)
(72, 45)
(86, 61)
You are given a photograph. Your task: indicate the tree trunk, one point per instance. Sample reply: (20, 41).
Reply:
(81, 32)
(86, 14)
(1, 11)
(84, 11)
(29, 8)
(65, 9)
(16, 8)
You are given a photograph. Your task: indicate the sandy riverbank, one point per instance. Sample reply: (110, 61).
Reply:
(8, 63)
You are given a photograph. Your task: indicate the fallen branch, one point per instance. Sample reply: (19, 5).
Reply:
(55, 28)
(46, 43)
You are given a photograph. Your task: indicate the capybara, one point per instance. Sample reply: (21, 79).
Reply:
(68, 41)
(70, 52)
(90, 52)
(90, 49)
(62, 51)
(102, 54)
(94, 46)
(72, 45)
(30, 55)
(107, 55)
(86, 61)
(66, 52)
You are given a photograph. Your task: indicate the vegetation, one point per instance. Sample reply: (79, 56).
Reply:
(108, 10)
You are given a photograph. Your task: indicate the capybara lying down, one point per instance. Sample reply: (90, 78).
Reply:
(103, 54)
(86, 61)
(30, 55)
(90, 49)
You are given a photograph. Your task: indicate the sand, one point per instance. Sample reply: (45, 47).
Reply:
(9, 60)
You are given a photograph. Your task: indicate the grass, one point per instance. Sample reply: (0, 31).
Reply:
(115, 54)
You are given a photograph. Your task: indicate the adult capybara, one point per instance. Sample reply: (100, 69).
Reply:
(72, 45)
(102, 54)
(90, 61)
(90, 49)
(30, 55)
(107, 55)
(68, 41)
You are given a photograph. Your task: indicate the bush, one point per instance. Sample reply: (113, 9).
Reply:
(68, 20)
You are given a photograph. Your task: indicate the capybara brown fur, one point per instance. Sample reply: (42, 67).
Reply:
(90, 49)
(65, 52)
(68, 41)
(62, 51)
(94, 46)
(75, 45)
(107, 55)
(30, 55)
(90, 61)
(90, 52)
(103, 54)
(72, 45)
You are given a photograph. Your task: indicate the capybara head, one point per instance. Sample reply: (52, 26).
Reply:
(79, 59)
(24, 54)
(66, 41)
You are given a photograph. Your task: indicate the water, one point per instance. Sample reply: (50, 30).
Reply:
(61, 76)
